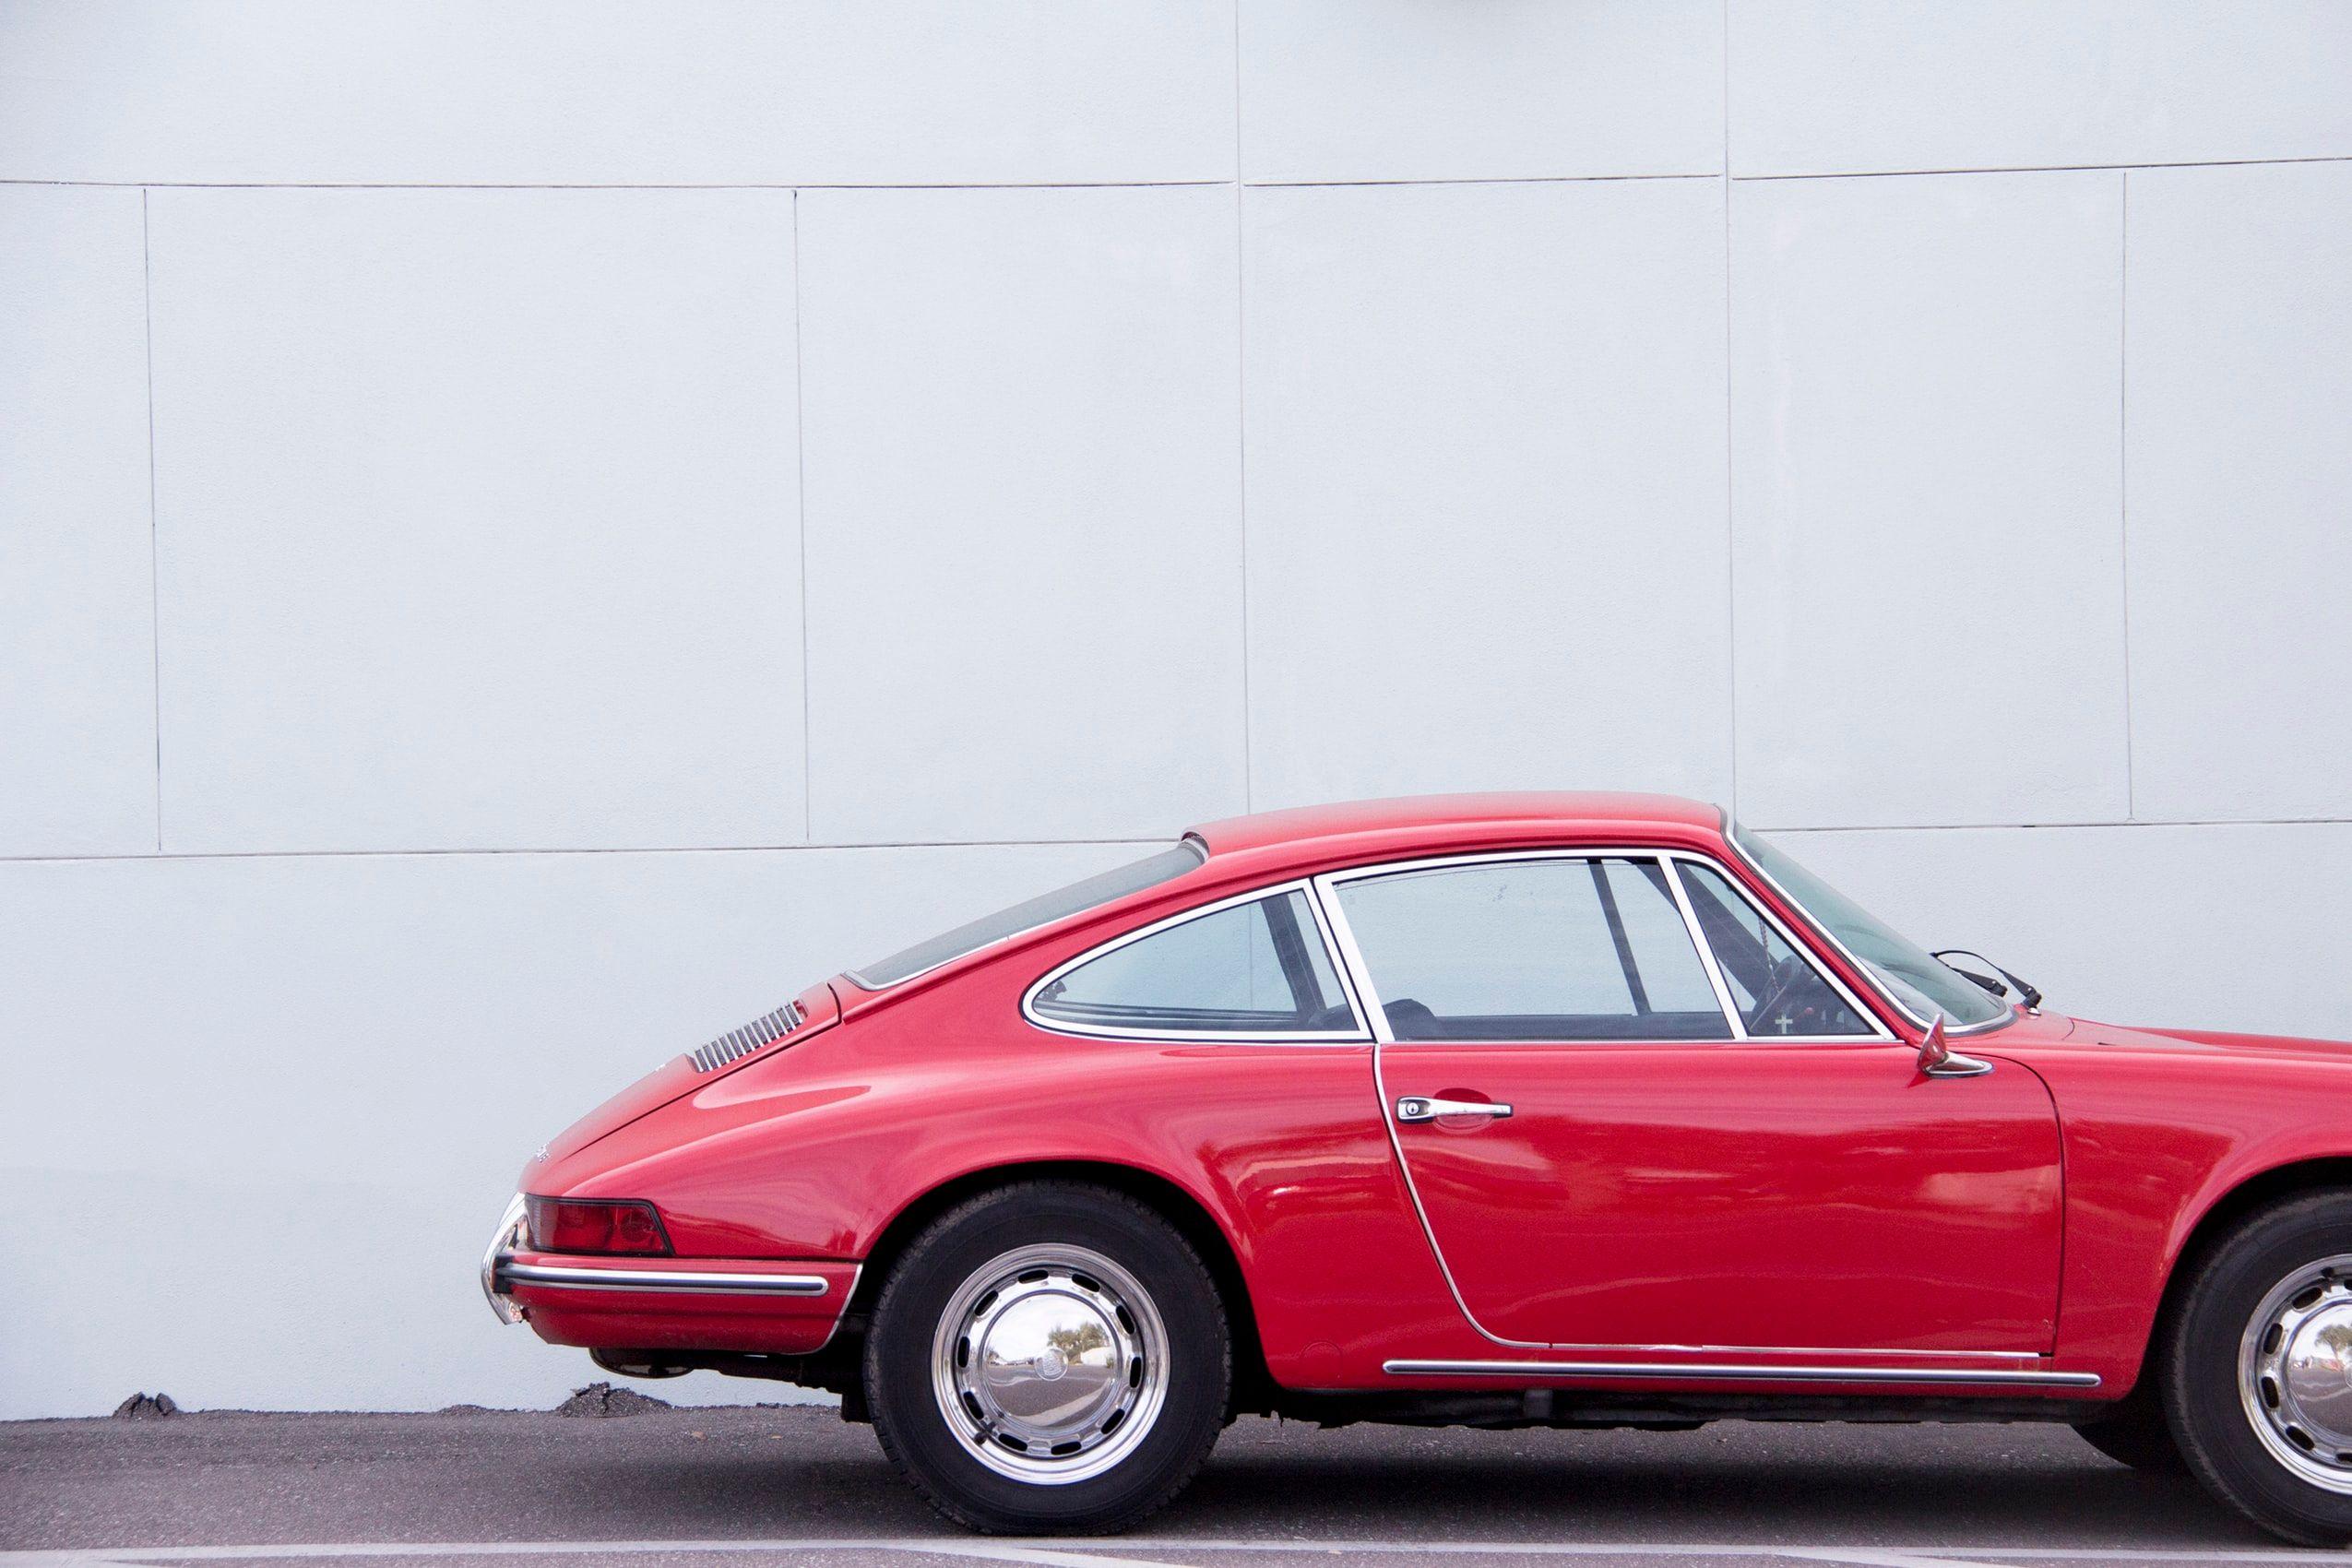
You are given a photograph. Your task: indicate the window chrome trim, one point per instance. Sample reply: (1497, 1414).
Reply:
(1831, 940)
(1744, 1372)
(707, 1282)
(1359, 1035)
(1797, 944)
(1707, 959)
(1327, 884)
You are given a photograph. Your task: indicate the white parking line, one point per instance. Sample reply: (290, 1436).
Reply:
(1043, 1557)
(1065, 1553)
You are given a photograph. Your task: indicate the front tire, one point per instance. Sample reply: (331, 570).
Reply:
(1049, 1358)
(2258, 1370)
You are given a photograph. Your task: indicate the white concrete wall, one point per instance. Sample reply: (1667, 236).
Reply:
(529, 532)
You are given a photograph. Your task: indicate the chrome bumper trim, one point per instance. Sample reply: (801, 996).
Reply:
(1743, 1371)
(509, 1225)
(707, 1282)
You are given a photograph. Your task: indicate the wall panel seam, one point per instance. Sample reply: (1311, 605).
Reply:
(1242, 412)
(147, 859)
(800, 524)
(1156, 185)
(2059, 827)
(1731, 511)
(2049, 168)
(2123, 469)
(154, 527)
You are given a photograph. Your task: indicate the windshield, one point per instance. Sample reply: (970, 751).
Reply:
(1043, 910)
(1920, 985)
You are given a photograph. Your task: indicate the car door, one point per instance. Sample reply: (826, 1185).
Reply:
(1636, 1114)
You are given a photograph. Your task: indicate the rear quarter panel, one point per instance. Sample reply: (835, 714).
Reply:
(811, 1153)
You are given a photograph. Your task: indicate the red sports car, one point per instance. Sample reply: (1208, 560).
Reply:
(1519, 1109)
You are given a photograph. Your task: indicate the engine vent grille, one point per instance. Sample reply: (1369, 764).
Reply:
(736, 1044)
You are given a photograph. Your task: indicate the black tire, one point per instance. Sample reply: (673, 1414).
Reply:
(1172, 1437)
(2199, 1380)
(2135, 1432)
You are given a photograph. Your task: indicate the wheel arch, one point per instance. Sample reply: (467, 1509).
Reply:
(2248, 1192)
(2229, 1207)
(1253, 1385)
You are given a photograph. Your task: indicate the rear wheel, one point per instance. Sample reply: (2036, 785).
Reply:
(2258, 1370)
(1049, 1356)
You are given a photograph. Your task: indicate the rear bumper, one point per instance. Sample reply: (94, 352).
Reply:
(509, 1271)
(754, 1305)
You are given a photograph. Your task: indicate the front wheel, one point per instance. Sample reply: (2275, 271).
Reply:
(2258, 1370)
(1049, 1356)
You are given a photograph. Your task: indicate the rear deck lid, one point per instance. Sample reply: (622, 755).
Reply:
(813, 1010)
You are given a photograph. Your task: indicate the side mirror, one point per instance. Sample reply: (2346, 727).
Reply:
(1933, 1052)
(1938, 1060)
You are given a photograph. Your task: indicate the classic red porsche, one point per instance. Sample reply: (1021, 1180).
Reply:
(1517, 1110)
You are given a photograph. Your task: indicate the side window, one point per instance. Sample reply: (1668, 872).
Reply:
(1259, 967)
(1777, 988)
(1581, 949)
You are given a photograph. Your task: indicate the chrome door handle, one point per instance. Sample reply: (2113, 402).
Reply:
(1418, 1108)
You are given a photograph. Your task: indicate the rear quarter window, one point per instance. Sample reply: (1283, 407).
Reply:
(1258, 966)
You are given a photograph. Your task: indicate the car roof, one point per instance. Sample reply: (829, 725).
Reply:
(1502, 815)
(1283, 843)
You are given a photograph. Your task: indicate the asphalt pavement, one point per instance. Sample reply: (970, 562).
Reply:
(717, 1487)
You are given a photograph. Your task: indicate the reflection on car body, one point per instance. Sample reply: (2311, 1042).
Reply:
(1489, 1110)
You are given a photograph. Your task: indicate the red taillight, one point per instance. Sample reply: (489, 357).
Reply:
(595, 1225)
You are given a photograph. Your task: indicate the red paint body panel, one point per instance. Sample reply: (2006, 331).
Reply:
(2159, 1128)
(811, 1154)
(1768, 1197)
(1739, 1195)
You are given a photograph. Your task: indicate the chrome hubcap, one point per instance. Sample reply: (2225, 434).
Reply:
(2295, 1372)
(1050, 1364)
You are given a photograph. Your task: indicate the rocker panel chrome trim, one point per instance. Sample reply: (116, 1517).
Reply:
(1743, 1371)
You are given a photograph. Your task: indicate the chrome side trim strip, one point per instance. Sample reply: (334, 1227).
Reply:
(1743, 1371)
(703, 1282)
(1873, 1351)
